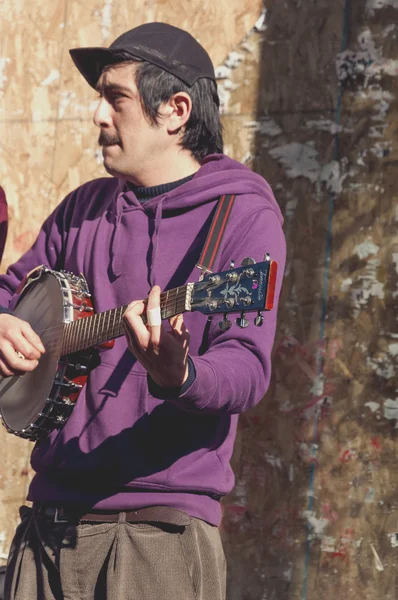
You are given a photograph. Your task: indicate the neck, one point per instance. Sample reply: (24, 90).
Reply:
(173, 167)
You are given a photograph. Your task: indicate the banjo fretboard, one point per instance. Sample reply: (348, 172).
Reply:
(99, 328)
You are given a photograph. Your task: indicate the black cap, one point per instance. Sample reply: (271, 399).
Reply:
(163, 45)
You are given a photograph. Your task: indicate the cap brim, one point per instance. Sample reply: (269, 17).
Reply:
(91, 61)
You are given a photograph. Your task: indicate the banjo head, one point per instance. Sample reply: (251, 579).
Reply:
(23, 398)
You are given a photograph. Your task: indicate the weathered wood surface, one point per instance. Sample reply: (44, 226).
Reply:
(314, 507)
(314, 510)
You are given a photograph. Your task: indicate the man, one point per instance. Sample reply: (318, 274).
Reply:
(138, 470)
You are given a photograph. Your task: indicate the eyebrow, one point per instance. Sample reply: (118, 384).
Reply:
(112, 87)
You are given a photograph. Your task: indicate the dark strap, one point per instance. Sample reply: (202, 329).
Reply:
(216, 232)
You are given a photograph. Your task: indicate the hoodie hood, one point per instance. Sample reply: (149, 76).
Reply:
(217, 176)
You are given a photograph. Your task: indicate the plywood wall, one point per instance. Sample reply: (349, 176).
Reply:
(309, 101)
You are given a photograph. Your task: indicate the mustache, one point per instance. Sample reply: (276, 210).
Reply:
(108, 139)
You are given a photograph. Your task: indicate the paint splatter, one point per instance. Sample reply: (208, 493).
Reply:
(391, 409)
(275, 461)
(300, 160)
(378, 563)
(4, 61)
(366, 248)
(348, 455)
(372, 5)
(266, 126)
(370, 496)
(324, 125)
(317, 525)
(260, 24)
(53, 76)
(366, 286)
(106, 20)
(376, 443)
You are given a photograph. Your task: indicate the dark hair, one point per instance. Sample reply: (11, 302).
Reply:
(202, 133)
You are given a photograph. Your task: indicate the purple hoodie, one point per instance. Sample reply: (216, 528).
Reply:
(122, 448)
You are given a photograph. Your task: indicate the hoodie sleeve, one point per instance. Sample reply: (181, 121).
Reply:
(47, 250)
(234, 372)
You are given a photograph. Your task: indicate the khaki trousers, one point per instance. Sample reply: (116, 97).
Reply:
(114, 561)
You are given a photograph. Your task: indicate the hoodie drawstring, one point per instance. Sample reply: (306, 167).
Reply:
(115, 264)
(155, 244)
(116, 272)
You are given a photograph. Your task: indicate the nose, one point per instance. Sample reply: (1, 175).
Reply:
(102, 115)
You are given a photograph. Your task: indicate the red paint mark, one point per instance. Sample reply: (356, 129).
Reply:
(328, 512)
(347, 533)
(376, 443)
(347, 455)
(24, 472)
(340, 554)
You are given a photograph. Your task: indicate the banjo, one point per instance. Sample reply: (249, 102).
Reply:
(58, 306)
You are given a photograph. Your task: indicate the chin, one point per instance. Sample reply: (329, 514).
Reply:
(109, 170)
(112, 170)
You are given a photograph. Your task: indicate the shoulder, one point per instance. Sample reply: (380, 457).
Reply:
(253, 205)
(104, 187)
(90, 199)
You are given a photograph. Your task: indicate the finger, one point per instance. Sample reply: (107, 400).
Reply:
(15, 360)
(177, 323)
(25, 348)
(5, 370)
(131, 338)
(154, 317)
(179, 329)
(33, 338)
(133, 321)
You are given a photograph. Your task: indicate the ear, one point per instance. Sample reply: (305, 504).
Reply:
(177, 111)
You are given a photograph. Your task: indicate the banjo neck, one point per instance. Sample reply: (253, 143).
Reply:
(59, 305)
(96, 329)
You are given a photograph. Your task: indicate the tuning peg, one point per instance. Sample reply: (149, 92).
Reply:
(232, 276)
(242, 321)
(232, 264)
(249, 273)
(267, 256)
(215, 279)
(248, 261)
(259, 320)
(225, 324)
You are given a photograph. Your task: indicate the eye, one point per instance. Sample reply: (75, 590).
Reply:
(116, 97)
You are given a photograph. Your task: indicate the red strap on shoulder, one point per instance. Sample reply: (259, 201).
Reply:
(216, 232)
